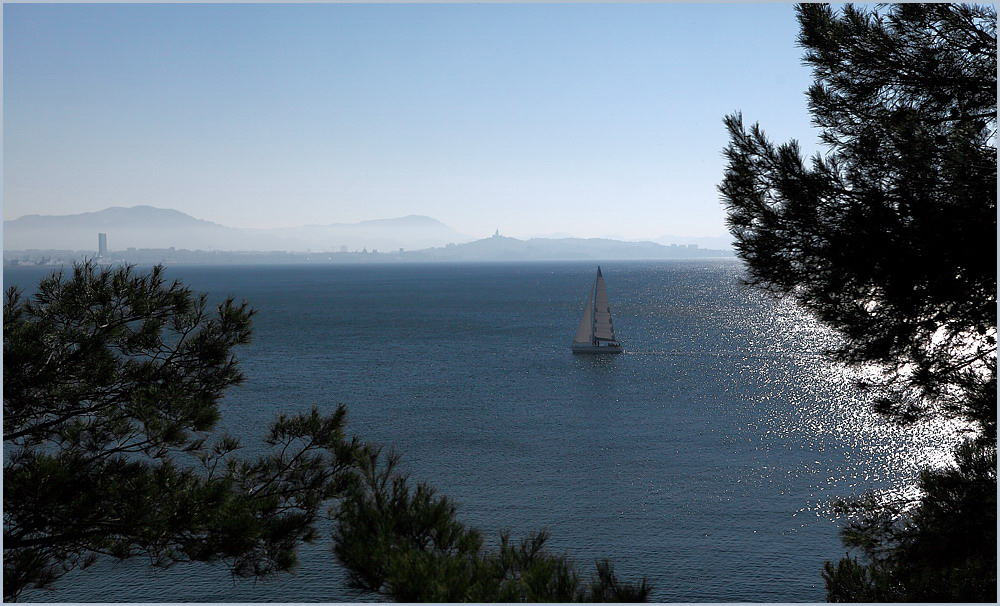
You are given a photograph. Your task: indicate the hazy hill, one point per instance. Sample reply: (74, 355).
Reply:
(411, 232)
(117, 216)
(500, 248)
(149, 227)
(138, 227)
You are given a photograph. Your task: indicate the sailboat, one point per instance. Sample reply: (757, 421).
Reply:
(596, 333)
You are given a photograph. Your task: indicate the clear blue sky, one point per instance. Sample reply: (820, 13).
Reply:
(589, 119)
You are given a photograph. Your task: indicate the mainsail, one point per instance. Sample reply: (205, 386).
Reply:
(603, 328)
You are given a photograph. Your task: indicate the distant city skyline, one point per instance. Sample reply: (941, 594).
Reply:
(584, 119)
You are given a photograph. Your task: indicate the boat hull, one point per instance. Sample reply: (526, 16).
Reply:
(587, 348)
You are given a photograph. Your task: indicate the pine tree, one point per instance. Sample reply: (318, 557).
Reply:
(406, 543)
(888, 239)
(111, 388)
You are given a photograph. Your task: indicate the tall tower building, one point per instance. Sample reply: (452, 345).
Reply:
(102, 245)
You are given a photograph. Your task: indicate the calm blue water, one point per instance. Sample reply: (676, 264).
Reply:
(704, 458)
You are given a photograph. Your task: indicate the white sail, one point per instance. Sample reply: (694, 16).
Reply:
(584, 333)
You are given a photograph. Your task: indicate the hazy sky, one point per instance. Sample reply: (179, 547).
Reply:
(589, 119)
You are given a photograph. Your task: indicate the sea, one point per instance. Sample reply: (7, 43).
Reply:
(706, 458)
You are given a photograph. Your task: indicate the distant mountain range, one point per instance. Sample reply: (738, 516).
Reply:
(422, 238)
(149, 227)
